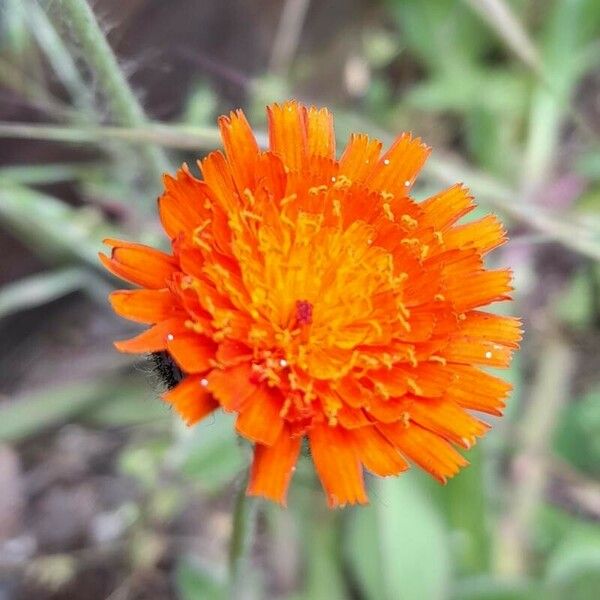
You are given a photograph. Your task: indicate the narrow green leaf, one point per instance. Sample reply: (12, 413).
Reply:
(485, 587)
(52, 227)
(574, 570)
(398, 546)
(194, 582)
(464, 501)
(22, 417)
(209, 453)
(40, 289)
(131, 404)
(45, 174)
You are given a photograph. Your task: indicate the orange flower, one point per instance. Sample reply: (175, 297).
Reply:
(314, 298)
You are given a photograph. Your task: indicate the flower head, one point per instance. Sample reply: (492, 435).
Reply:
(314, 298)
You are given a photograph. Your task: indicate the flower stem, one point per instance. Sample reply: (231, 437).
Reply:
(244, 524)
(125, 106)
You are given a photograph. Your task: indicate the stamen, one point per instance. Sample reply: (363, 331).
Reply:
(388, 211)
(315, 190)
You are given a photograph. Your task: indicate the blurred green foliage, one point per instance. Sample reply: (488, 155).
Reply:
(416, 540)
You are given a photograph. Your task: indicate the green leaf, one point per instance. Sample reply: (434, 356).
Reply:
(210, 453)
(130, 404)
(144, 460)
(324, 579)
(578, 435)
(195, 582)
(51, 227)
(28, 415)
(45, 174)
(363, 552)
(573, 571)
(576, 305)
(444, 34)
(398, 546)
(487, 588)
(40, 289)
(464, 502)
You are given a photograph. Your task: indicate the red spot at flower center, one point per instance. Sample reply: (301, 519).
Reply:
(304, 311)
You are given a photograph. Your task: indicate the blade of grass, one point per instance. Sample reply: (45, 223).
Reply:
(34, 93)
(170, 136)
(562, 46)
(45, 174)
(59, 58)
(51, 227)
(126, 108)
(501, 18)
(548, 395)
(25, 416)
(40, 289)
(577, 236)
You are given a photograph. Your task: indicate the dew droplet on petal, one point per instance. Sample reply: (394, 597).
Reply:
(386, 161)
(283, 363)
(488, 354)
(407, 183)
(170, 337)
(204, 382)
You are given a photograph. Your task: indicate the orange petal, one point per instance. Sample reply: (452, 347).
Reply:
(191, 399)
(241, 148)
(471, 351)
(273, 466)
(259, 419)
(154, 339)
(479, 289)
(287, 133)
(475, 390)
(182, 206)
(338, 465)
(447, 419)
(456, 265)
(232, 352)
(426, 449)
(192, 352)
(447, 207)
(387, 411)
(217, 175)
(397, 170)
(144, 306)
(495, 328)
(351, 418)
(359, 157)
(483, 235)
(320, 133)
(376, 453)
(428, 379)
(232, 387)
(389, 382)
(139, 264)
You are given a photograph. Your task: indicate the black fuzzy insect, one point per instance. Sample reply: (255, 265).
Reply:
(166, 368)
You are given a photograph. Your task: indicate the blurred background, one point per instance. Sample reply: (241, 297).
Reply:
(105, 495)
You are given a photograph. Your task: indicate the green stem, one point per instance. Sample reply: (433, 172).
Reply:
(244, 525)
(170, 136)
(548, 395)
(125, 106)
